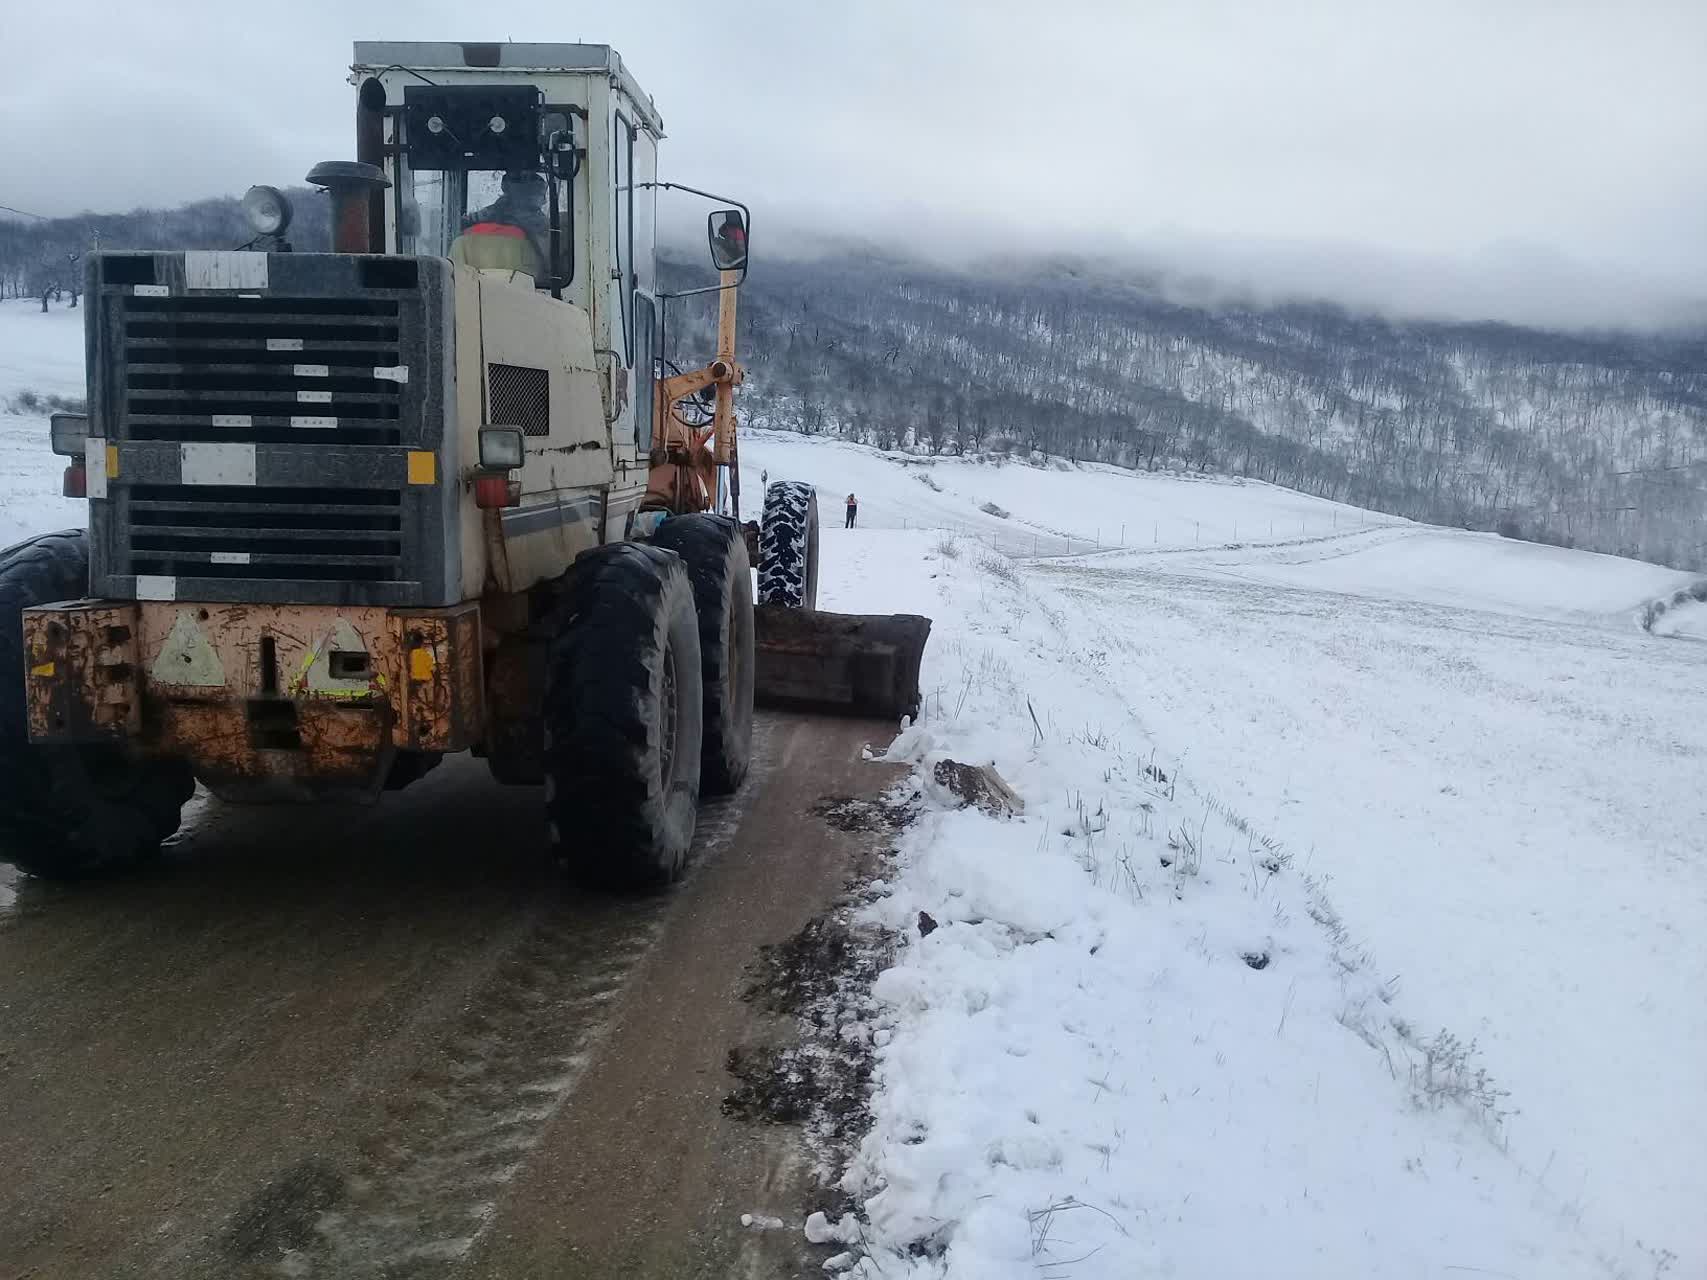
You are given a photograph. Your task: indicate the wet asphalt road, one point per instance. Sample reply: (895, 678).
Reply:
(388, 1042)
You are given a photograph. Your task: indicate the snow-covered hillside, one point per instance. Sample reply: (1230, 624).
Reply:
(1053, 510)
(1483, 424)
(1476, 1040)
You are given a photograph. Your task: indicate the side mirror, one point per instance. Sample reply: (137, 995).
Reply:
(727, 231)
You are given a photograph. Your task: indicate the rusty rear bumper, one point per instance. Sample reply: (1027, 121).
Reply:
(321, 696)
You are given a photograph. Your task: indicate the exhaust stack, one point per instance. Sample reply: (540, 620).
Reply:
(352, 186)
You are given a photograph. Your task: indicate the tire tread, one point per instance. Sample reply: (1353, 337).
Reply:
(54, 822)
(614, 826)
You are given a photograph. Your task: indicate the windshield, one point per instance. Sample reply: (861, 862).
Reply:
(499, 218)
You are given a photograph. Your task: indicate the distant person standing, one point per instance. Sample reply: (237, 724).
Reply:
(853, 511)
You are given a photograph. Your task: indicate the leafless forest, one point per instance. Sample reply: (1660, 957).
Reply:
(1591, 440)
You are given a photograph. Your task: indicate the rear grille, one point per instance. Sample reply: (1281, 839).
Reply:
(266, 439)
(239, 531)
(262, 370)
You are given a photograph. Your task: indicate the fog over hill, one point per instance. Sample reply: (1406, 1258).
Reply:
(1587, 438)
(1593, 438)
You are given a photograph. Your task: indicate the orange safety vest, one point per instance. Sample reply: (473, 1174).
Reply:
(498, 246)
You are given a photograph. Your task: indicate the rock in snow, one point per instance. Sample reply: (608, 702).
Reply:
(979, 785)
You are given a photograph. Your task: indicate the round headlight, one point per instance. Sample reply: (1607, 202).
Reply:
(267, 210)
(497, 124)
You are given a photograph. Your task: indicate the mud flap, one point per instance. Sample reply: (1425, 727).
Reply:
(852, 664)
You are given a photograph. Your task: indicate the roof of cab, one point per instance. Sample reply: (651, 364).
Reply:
(374, 56)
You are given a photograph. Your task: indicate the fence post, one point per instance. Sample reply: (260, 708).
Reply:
(1155, 533)
(1197, 532)
(1123, 535)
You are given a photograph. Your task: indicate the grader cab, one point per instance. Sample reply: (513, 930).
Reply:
(430, 492)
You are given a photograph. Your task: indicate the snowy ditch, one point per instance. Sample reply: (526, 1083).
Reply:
(1123, 1032)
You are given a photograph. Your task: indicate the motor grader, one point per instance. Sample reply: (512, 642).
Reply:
(350, 512)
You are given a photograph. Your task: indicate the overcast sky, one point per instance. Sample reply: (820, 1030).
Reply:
(1530, 159)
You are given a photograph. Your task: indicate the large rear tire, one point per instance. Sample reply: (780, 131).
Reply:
(715, 553)
(788, 546)
(68, 812)
(623, 717)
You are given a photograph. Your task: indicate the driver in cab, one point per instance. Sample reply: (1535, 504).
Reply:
(507, 234)
(729, 245)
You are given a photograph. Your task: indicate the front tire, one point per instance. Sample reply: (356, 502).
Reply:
(623, 718)
(69, 811)
(788, 546)
(715, 552)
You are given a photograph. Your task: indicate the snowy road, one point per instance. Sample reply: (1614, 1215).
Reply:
(389, 1042)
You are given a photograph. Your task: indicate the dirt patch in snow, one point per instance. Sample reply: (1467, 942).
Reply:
(851, 813)
(816, 1072)
(819, 982)
(784, 1086)
(798, 976)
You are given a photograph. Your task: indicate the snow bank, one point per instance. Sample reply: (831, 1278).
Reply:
(1137, 1040)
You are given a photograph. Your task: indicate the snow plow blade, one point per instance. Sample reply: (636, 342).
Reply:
(851, 664)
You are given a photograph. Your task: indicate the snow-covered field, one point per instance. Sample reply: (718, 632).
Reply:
(1478, 1042)
(40, 352)
(1305, 816)
(43, 354)
(1049, 511)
